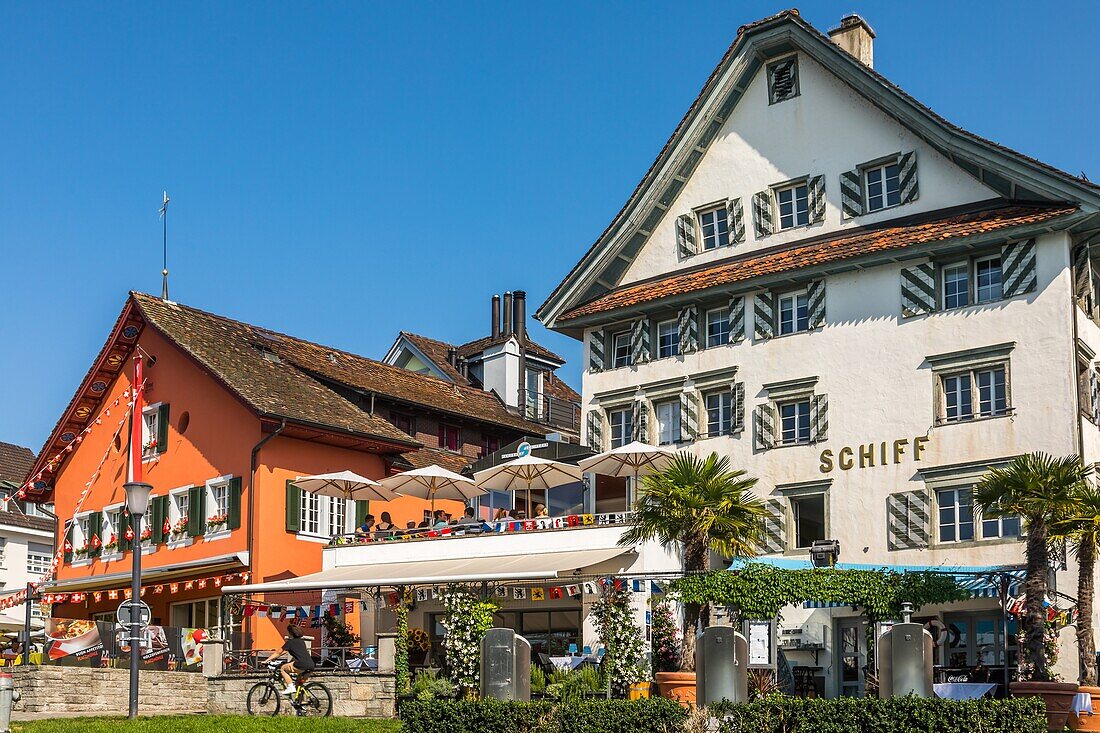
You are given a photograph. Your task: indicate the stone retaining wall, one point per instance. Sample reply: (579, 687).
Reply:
(70, 690)
(87, 691)
(353, 696)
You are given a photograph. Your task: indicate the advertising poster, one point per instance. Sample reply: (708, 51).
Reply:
(83, 643)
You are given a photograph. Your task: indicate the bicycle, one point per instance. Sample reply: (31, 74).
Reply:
(312, 699)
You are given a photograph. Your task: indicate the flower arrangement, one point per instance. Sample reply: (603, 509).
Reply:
(146, 534)
(81, 551)
(149, 446)
(468, 618)
(666, 639)
(216, 520)
(624, 663)
(112, 543)
(180, 527)
(419, 640)
(1025, 670)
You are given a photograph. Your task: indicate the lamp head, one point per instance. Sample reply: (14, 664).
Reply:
(137, 497)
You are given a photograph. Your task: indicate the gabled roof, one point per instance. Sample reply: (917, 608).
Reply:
(477, 346)
(554, 387)
(15, 463)
(436, 352)
(1014, 175)
(885, 237)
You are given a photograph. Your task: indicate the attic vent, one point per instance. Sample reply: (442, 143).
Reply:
(332, 358)
(783, 80)
(267, 353)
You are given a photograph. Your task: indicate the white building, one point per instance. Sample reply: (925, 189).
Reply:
(26, 533)
(858, 302)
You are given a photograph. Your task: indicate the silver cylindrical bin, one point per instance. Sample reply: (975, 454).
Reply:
(905, 661)
(505, 665)
(721, 666)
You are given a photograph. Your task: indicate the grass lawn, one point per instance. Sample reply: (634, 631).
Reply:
(206, 724)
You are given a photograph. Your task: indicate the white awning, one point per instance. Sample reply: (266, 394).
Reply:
(462, 570)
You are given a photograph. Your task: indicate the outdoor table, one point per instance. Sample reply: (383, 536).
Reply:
(1082, 703)
(567, 662)
(963, 690)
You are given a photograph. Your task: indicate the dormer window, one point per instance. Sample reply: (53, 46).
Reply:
(783, 80)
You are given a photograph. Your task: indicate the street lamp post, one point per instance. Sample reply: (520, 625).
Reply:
(137, 503)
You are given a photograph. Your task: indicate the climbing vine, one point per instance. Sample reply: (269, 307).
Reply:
(468, 618)
(624, 660)
(760, 591)
(401, 650)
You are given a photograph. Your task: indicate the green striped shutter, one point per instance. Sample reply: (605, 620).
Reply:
(69, 541)
(1018, 268)
(775, 527)
(293, 507)
(918, 289)
(196, 511)
(234, 503)
(95, 529)
(158, 512)
(162, 428)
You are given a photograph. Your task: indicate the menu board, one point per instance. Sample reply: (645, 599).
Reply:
(84, 643)
(760, 643)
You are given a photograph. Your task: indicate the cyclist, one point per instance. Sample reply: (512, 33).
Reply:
(301, 663)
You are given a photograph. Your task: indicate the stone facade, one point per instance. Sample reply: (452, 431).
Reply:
(85, 690)
(353, 696)
(64, 691)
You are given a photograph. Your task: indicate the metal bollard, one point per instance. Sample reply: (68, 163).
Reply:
(8, 695)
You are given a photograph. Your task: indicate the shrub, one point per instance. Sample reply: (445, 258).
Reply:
(570, 685)
(656, 715)
(430, 686)
(874, 715)
(538, 680)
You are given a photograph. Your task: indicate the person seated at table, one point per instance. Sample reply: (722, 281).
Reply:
(363, 531)
(385, 528)
(541, 512)
(502, 515)
(519, 515)
(440, 519)
(469, 522)
(410, 527)
(424, 524)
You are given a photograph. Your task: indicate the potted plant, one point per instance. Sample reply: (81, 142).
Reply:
(112, 544)
(1082, 527)
(698, 505)
(623, 666)
(216, 521)
(665, 638)
(81, 552)
(179, 528)
(1040, 490)
(146, 534)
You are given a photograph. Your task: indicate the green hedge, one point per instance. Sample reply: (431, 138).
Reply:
(891, 715)
(656, 715)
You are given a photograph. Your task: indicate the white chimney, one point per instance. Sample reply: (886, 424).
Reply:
(856, 37)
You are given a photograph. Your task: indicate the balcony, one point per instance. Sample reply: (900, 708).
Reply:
(550, 410)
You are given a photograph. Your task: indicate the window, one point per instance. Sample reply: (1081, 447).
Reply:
(783, 80)
(217, 500)
(3, 548)
(956, 289)
(84, 530)
(719, 413)
(718, 327)
(956, 514)
(39, 557)
(196, 614)
(668, 421)
(668, 339)
(531, 400)
(180, 506)
(337, 515)
(1000, 527)
(809, 519)
(403, 422)
(883, 190)
(622, 427)
(150, 431)
(110, 533)
(987, 280)
(958, 394)
(794, 420)
(620, 347)
(794, 313)
(489, 444)
(715, 228)
(449, 437)
(794, 210)
(311, 513)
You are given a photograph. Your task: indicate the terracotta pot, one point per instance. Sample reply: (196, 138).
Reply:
(638, 691)
(1058, 697)
(1086, 721)
(679, 686)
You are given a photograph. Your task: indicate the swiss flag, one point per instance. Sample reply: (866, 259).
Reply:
(68, 546)
(95, 541)
(129, 533)
(167, 526)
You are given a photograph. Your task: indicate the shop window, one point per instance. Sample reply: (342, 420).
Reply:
(201, 614)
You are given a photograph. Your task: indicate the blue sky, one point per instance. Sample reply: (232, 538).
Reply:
(343, 171)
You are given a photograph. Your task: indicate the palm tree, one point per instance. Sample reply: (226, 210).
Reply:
(1040, 490)
(704, 506)
(1082, 527)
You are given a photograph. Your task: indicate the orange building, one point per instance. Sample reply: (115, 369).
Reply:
(232, 414)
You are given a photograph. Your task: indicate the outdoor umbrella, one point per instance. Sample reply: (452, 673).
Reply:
(630, 460)
(536, 473)
(345, 485)
(433, 482)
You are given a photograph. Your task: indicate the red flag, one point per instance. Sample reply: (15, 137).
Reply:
(129, 534)
(95, 541)
(167, 526)
(555, 593)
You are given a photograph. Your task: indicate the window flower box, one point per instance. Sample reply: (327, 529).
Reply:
(179, 529)
(217, 521)
(81, 553)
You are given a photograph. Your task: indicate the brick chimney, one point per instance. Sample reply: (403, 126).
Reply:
(855, 36)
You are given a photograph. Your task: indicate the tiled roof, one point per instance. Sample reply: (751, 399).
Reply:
(15, 463)
(889, 236)
(234, 353)
(436, 457)
(554, 387)
(291, 384)
(437, 352)
(790, 15)
(476, 347)
(16, 518)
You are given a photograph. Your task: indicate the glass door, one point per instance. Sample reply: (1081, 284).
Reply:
(851, 654)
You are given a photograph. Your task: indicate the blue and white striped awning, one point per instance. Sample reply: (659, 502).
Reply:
(980, 581)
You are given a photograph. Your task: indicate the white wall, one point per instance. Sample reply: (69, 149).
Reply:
(14, 575)
(826, 130)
